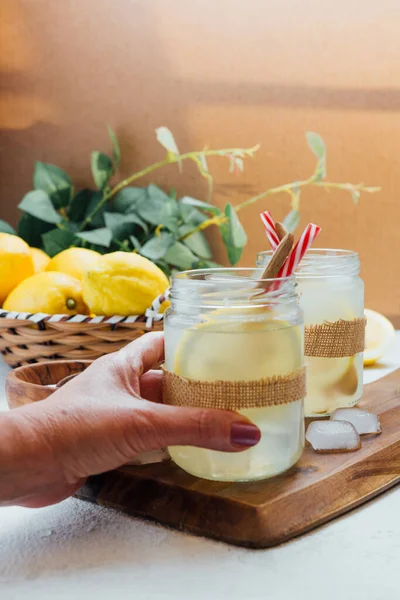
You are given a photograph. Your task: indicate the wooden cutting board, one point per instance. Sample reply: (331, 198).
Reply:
(265, 513)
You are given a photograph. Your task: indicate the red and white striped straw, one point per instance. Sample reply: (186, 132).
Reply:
(304, 243)
(269, 226)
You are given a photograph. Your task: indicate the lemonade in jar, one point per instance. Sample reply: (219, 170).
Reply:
(233, 342)
(332, 298)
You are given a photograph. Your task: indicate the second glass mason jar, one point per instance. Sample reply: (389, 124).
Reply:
(222, 328)
(330, 291)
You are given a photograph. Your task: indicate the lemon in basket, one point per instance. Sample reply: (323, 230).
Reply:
(15, 263)
(48, 292)
(40, 260)
(122, 283)
(73, 261)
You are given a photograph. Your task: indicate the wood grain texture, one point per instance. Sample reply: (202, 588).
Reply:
(269, 512)
(27, 384)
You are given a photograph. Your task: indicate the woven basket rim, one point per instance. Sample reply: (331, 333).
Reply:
(78, 318)
(150, 315)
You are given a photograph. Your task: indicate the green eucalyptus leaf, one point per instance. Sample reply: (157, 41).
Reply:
(38, 204)
(135, 242)
(6, 228)
(98, 219)
(158, 208)
(191, 215)
(238, 237)
(54, 181)
(197, 242)
(158, 195)
(56, 240)
(291, 221)
(123, 225)
(125, 201)
(70, 226)
(31, 229)
(79, 205)
(157, 246)
(210, 208)
(233, 235)
(100, 237)
(166, 139)
(114, 220)
(116, 148)
(180, 256)
(102, 169)
(234, 254)
(316, 144)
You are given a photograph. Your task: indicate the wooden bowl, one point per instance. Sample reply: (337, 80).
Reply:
(28, 383)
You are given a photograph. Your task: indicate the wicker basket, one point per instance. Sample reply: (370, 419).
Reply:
(27, 338)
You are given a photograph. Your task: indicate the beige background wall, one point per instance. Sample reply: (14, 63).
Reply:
(221, 73)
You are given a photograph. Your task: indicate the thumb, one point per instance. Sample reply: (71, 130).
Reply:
(206, 428)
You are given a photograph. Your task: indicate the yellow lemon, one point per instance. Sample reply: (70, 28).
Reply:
(122, 283)
(16, 263)
(73, 261)
(40, 259)
(379, 335)
(48, 292)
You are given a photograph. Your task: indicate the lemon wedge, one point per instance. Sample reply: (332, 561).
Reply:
(230, 345)
(379, 334)
(230, 349)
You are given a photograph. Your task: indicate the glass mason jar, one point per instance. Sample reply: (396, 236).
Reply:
(221, 327)
(330, 290)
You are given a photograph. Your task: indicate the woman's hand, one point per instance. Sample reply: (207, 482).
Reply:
(101, 420)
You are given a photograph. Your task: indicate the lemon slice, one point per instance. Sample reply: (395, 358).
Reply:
(328, 305)
(227, 348)
(379, 334)
(325, 372)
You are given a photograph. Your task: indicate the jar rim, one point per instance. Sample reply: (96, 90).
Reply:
(238, 275)
(321, 263)
(322, 253)
(238, 286)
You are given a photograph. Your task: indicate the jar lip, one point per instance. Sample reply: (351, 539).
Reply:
(322, 263)
(233, 276)
(323, 253)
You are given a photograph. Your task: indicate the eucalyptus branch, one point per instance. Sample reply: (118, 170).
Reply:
(153, 227)
(235, 154)
(289, 188)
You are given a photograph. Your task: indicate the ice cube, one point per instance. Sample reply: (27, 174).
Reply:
(364, 421)
(333, 436)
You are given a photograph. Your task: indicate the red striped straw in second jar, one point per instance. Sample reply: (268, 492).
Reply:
(306, 239)
(299, 250)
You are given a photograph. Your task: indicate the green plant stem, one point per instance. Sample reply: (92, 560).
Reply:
(288, 187)
(276, 190)
(170, 159)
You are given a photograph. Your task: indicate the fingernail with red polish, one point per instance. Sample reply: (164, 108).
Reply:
(245, 434)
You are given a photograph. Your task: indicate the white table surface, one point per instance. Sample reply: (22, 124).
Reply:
(76, 550)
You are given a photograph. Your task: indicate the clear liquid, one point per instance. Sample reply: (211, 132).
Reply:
(237, 350)
(332, 382)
